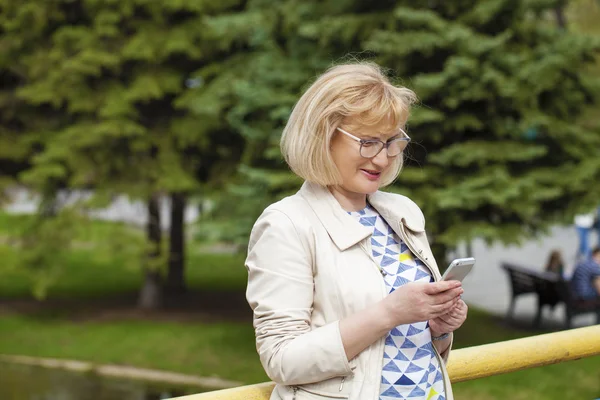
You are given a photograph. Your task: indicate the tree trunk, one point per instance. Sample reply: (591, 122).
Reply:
(561, 18)
(150, 294)
(49, 206)
(176, 274)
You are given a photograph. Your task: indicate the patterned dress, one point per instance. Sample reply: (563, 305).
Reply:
(411, 369)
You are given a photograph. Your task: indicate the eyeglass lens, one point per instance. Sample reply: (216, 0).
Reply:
(371, 149)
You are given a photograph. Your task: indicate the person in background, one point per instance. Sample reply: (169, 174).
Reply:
(584, 224)
(597, 225)
(586, 277)
(555, 263)
(347, 297)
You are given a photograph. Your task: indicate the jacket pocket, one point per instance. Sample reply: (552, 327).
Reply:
(334, 388)
(310, 394)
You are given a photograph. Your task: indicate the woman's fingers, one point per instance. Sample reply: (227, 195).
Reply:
(435, 288)
(450, 310)
(456, 316)
(449, 295)
(445, 307)
(458, 312)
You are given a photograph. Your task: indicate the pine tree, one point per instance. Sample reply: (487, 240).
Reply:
(24, 128)
(14, 148)
(121, 73)
(502, 97)
(499, 148)
(21, 124)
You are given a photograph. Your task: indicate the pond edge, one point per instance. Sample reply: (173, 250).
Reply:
(122, 371)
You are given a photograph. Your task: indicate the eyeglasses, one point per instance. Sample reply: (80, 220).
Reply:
(369, 148)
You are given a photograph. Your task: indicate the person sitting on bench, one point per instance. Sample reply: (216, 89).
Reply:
(555, 263)
(586, 278)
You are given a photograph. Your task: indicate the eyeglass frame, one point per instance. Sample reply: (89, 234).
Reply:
(385, 145)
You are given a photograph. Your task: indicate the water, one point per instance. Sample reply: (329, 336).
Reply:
(23, 382)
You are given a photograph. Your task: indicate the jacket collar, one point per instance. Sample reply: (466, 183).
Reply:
(398, 210)
(346, 231)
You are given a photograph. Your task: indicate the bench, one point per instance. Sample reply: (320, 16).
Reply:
(550, 289)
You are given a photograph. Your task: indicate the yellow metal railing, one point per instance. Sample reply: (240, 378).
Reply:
(474, 362)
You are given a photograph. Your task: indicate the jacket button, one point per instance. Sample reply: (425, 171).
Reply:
(421, 251)
(383, 272)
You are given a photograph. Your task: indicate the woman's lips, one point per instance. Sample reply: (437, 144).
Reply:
(371, 175)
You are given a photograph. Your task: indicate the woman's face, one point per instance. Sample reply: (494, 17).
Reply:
(360, 175)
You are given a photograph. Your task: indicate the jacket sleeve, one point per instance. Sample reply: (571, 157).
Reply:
(280, 292)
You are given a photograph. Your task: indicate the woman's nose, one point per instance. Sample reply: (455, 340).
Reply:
(381, 159)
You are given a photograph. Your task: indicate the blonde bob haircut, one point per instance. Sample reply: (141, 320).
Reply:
(345, 96)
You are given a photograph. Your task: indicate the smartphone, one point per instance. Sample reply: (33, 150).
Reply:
(458, 269)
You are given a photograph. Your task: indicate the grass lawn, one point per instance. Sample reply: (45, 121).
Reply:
(100, 271)
(222, 347)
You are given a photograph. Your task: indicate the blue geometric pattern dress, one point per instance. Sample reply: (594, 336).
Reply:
(411, 369)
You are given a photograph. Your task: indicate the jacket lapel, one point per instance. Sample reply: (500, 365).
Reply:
(343, 229)
(396, 210)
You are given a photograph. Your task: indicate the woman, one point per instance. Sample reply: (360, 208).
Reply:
(346, 294)
(555, 263)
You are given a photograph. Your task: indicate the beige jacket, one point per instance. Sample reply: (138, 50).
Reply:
(309, 265)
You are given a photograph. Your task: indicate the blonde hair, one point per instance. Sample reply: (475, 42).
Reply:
(358, 91)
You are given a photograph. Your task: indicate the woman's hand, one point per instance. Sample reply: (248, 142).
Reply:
(451, 321)
(418, 301)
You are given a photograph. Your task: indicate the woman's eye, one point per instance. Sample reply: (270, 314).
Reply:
(368, 144)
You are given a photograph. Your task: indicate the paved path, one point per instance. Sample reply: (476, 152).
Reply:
(121, 209)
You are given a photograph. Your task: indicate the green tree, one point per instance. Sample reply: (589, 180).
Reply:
(21, 124)
(503, 96)
(120, 72)
(499, 149)
(14, 150)
(583, 16)
(24, 128)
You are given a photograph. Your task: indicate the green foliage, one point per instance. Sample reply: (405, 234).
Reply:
(236, 209)
(44, 246)
(102, 259)
(140, 97)
(16, 117)
(41, 249)
(500, 149)
(115, 77)
(120, 72)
